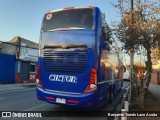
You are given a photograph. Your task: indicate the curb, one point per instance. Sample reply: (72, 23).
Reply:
(22, 87)
(14, 90)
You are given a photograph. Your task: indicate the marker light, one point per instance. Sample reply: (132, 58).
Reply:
(73, 101)
(92, 86)
(69, 8)
(38, 82)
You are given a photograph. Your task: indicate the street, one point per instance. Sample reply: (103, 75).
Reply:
(25, 100)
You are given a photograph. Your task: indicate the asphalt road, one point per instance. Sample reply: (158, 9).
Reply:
(25, 100)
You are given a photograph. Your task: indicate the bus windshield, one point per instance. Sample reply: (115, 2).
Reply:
(73, 18)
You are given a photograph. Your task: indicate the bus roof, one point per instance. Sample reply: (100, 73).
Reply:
(69, 8)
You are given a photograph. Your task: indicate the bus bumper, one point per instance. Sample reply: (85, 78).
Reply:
(89, 100)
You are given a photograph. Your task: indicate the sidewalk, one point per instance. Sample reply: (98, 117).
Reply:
(150, 104)
(16, 86)
(154, 89)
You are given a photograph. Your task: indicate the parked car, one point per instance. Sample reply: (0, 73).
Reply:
(126, 76)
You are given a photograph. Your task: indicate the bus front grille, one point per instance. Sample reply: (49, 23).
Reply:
(65, 61)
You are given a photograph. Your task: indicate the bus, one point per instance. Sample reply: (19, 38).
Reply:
(76, 64)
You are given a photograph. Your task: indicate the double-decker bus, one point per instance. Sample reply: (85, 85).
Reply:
(76, 66)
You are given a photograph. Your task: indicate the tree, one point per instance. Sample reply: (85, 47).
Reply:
(140, 27)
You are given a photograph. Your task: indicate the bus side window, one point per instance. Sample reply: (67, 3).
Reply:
(103, 70)
(121, 71)
(108, 73)
(116, 73)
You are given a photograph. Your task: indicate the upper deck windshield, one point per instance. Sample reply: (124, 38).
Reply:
(71, 19)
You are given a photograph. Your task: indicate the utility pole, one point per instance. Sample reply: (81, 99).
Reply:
(132, 49)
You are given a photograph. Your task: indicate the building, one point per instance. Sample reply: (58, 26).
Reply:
(25, 57)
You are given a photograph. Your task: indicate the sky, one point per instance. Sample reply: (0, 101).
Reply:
(23, 17)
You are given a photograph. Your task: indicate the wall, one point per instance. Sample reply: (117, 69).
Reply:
(18, 40)
(7, 68)
(7, 48)
(155, 78)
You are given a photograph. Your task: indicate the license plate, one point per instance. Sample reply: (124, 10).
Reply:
(61, 100)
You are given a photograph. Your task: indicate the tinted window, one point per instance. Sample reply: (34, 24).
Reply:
(81, 18)
(32, 68)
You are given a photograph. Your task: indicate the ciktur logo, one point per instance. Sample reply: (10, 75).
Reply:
(63, 78)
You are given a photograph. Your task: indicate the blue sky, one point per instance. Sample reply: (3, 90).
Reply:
(23, 17)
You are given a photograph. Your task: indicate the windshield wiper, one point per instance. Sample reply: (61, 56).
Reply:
(67, 28)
